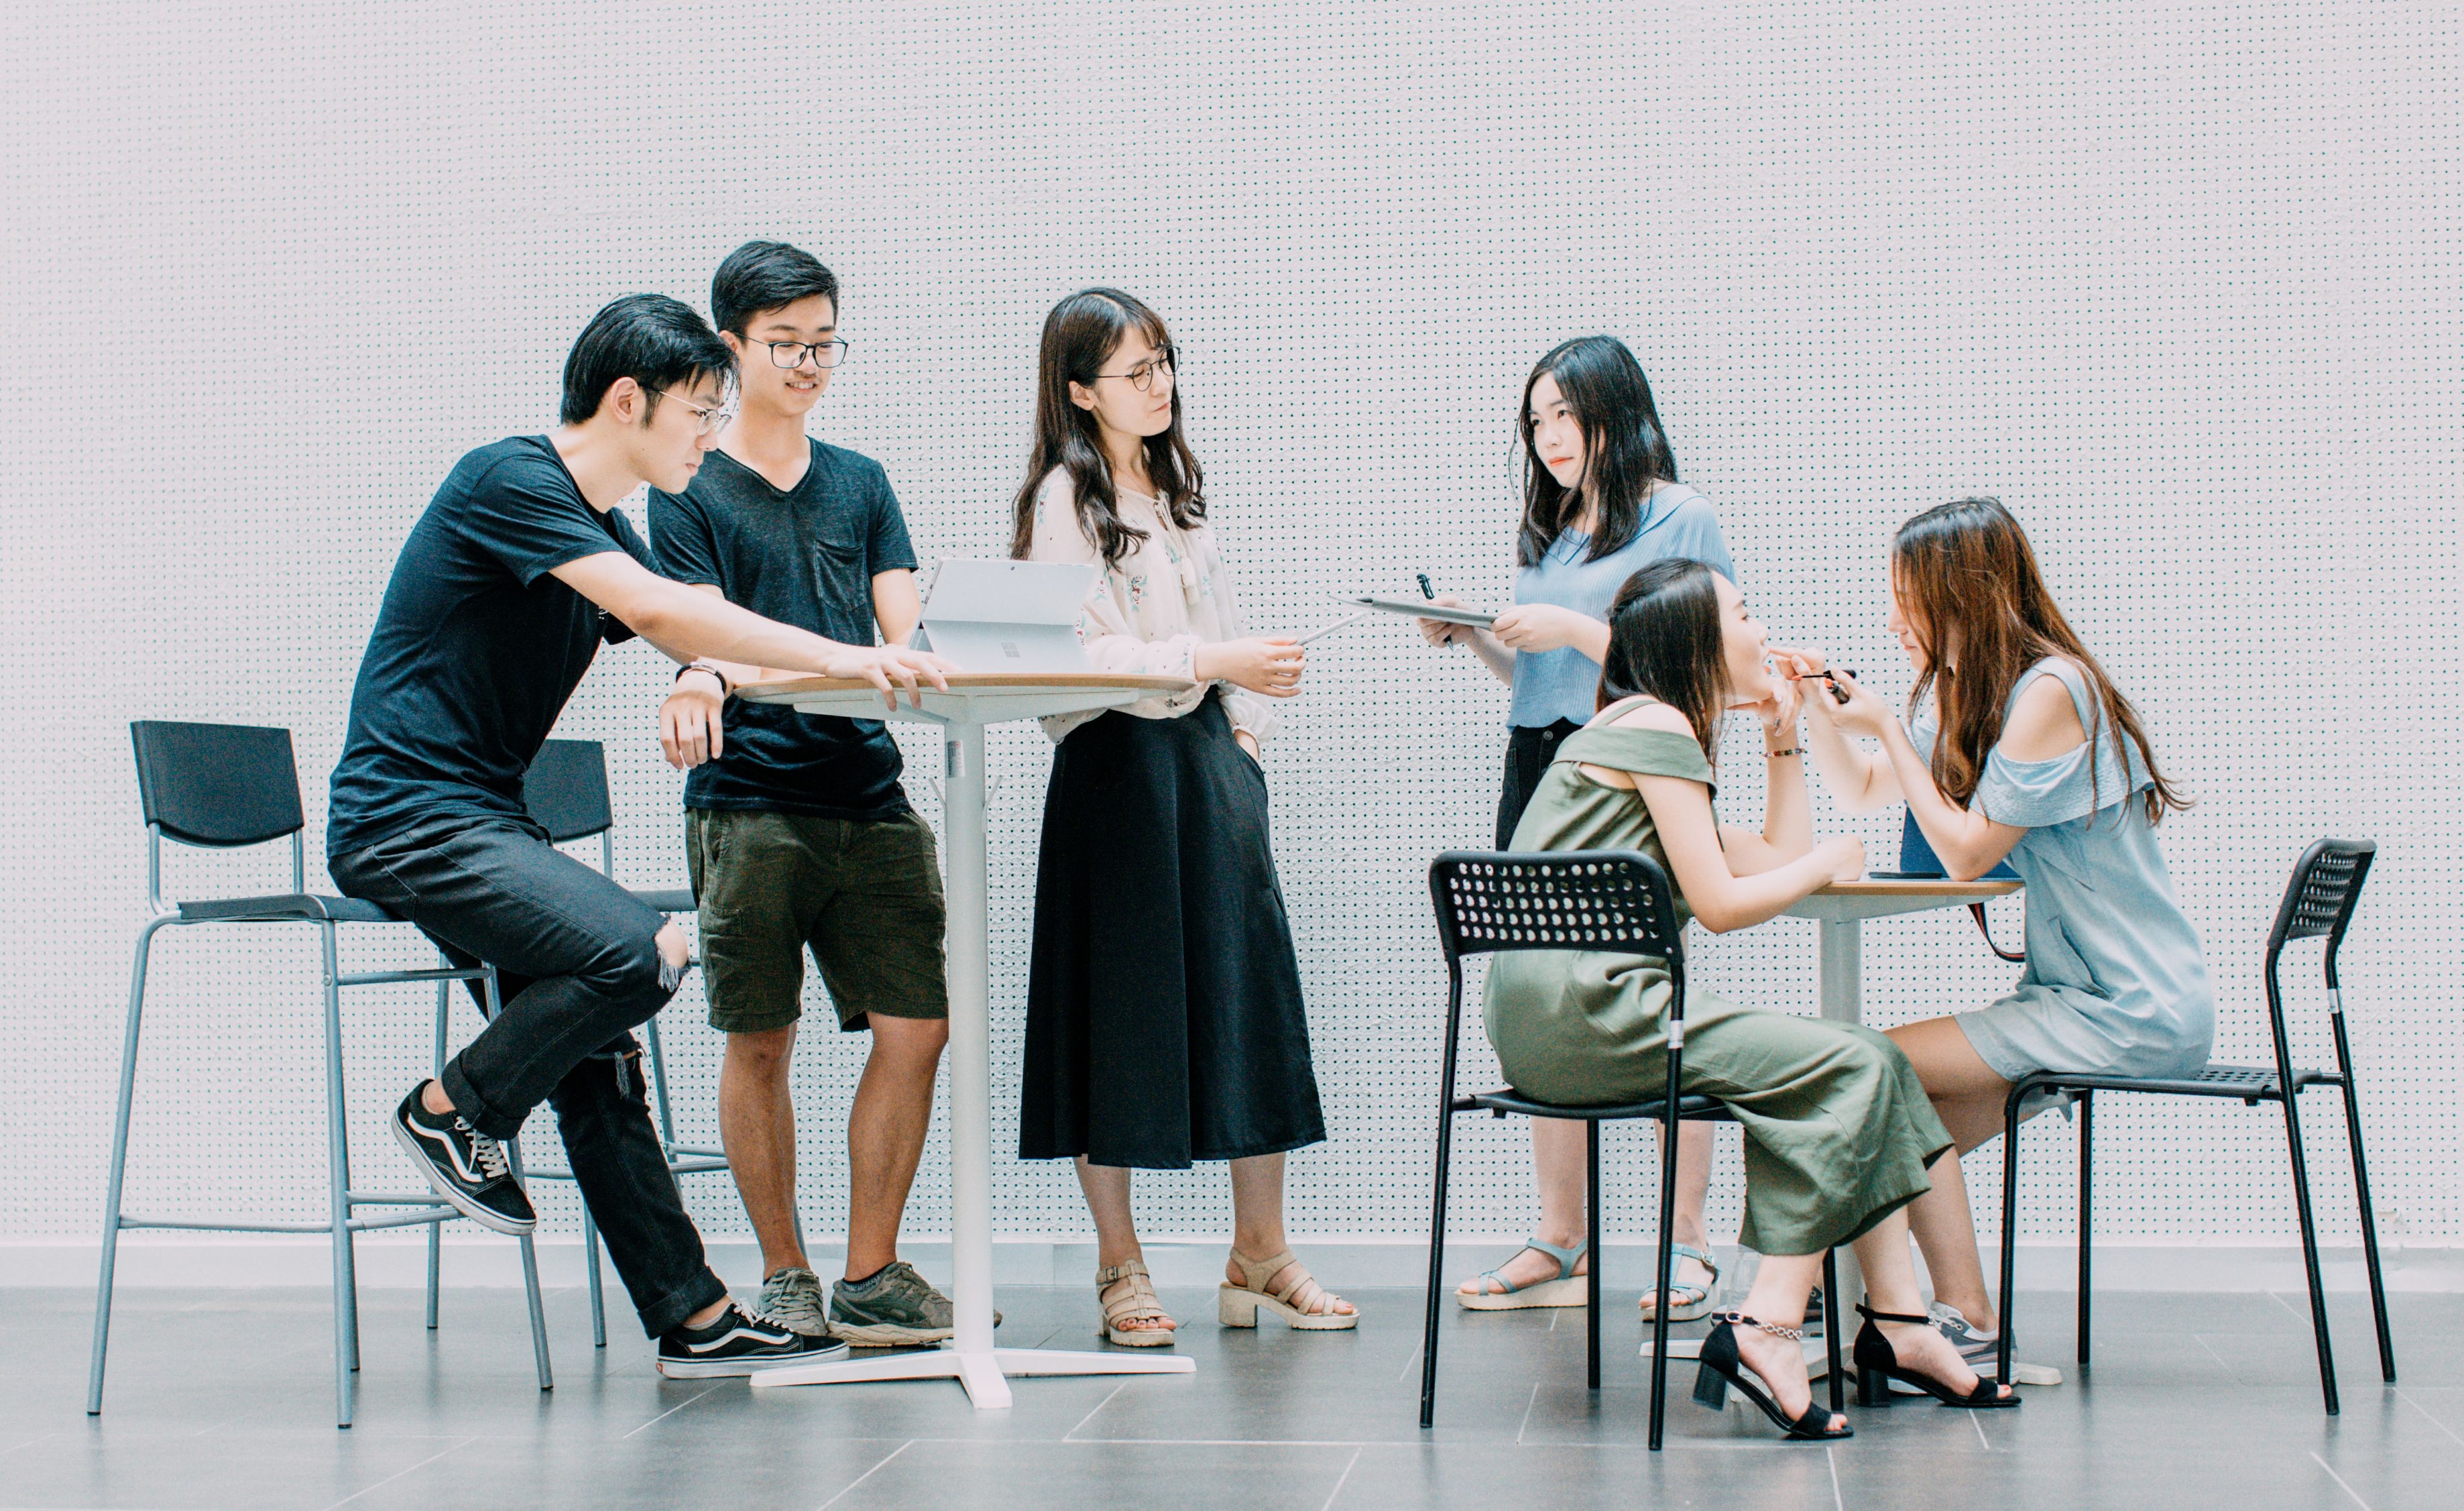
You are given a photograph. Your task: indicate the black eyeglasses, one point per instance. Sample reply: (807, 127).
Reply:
(791, 354)
(1142, 377)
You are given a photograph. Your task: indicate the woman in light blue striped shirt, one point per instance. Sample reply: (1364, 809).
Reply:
(1601, 501)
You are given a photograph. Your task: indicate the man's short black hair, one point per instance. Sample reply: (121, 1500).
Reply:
(657, 342)
(765, 274)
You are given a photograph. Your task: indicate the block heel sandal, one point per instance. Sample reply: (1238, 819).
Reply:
(1296, 1304)
(1876, 1366)
(1724, 1366)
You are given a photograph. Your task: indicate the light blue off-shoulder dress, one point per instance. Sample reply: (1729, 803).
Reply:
(2115, 982)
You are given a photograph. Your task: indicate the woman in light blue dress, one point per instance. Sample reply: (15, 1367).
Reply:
(2026, 751)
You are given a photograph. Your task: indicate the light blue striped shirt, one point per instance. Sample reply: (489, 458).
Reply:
(1564, 683)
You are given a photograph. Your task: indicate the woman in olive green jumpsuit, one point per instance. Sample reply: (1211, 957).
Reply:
(1839, 1130)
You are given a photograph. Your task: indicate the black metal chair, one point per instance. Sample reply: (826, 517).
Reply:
(226, 786)
(1490, 902)
(2319, 900)
(566, 793)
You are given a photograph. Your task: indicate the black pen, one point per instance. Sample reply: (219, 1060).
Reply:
(1426, 591)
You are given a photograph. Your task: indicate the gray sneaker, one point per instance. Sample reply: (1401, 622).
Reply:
(792, 1299)
(1979, 1349)
(895, 1306)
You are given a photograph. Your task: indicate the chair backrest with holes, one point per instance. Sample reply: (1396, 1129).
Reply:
(2320, 899)
(1604, 899)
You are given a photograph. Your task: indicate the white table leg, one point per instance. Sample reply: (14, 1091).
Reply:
(1840, 964)
(971, 1358)
(971, 1062)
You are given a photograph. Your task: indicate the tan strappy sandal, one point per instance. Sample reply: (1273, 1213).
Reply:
(1296, 1304)
(1137, 1302)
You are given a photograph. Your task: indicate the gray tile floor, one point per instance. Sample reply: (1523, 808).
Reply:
(223, 1399)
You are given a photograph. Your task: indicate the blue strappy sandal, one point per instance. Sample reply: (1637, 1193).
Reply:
(1565, 1288)
(1694, 1302)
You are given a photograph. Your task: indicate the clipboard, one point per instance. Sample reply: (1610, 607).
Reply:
(1422, 609)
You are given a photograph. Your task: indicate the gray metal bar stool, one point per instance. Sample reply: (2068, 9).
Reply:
(1489, 902)
(225, 786)
(566, 793)
(2319, 901)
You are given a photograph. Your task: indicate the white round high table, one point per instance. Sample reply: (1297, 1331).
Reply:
(974, 700)
(1840, 912)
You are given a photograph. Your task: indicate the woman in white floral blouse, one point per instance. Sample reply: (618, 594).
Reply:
(1164, 1017)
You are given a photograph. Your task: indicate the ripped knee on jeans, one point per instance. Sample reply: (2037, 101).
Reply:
(674, 957)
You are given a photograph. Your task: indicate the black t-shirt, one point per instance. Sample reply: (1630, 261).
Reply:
(805, 557)
(476, 647)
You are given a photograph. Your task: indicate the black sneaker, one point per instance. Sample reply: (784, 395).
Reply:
(467, 1167)
(738, 1344)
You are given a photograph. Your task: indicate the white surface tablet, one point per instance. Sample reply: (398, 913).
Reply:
(1422, 609)
(1006, 616)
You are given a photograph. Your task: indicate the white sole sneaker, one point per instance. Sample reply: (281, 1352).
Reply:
(510, 1228)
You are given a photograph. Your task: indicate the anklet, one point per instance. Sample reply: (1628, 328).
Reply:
(1794, 1335)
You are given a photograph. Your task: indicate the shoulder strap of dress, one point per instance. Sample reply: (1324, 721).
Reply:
(1653, 752)
(2074, 681)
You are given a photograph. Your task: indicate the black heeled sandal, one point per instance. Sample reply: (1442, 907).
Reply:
(1878, 1365)
(1724, 1366)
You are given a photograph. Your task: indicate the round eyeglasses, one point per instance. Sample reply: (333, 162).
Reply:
(708, 419)
(1163, 366)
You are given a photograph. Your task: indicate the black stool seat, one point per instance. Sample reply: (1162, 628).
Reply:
(666, 899)
(2247, 1082)
(1506, 1098)
(287, 907)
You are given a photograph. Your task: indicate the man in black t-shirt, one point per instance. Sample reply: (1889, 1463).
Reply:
(517, 571)
(796, 827)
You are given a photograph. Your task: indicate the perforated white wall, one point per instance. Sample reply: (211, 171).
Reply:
(2180, 283)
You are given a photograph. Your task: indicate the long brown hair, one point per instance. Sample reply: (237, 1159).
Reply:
(1664, 642)
(1080, 336)
(1968, 583)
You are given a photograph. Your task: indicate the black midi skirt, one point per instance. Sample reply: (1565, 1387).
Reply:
(1164, 1022)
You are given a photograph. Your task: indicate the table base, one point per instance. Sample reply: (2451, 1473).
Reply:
(985, 1375)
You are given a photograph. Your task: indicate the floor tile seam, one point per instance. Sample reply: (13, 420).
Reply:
(1098, 1409)
(672, 1411)
(849, 1487)
(2434, 1419)
(398, 1474)
(2340, 1480)
(1342, 1479)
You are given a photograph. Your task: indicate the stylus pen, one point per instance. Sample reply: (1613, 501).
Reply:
(1426, 591)
(1330, 629)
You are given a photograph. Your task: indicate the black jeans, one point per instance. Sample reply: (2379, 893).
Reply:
(1528, 751)
(578, 968)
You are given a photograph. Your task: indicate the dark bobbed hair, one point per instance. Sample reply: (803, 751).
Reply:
(1080, 336)
(1626, 452)
(765, 275)
(1665, 642)
(657, 342)
(1967, 582)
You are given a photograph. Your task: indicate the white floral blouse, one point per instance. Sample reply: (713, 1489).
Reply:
(1147, 616)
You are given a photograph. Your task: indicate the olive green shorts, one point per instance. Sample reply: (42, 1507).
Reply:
(864, 896)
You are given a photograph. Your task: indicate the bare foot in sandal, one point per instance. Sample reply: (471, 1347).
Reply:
(1132, 1316)
(1281, 1284)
